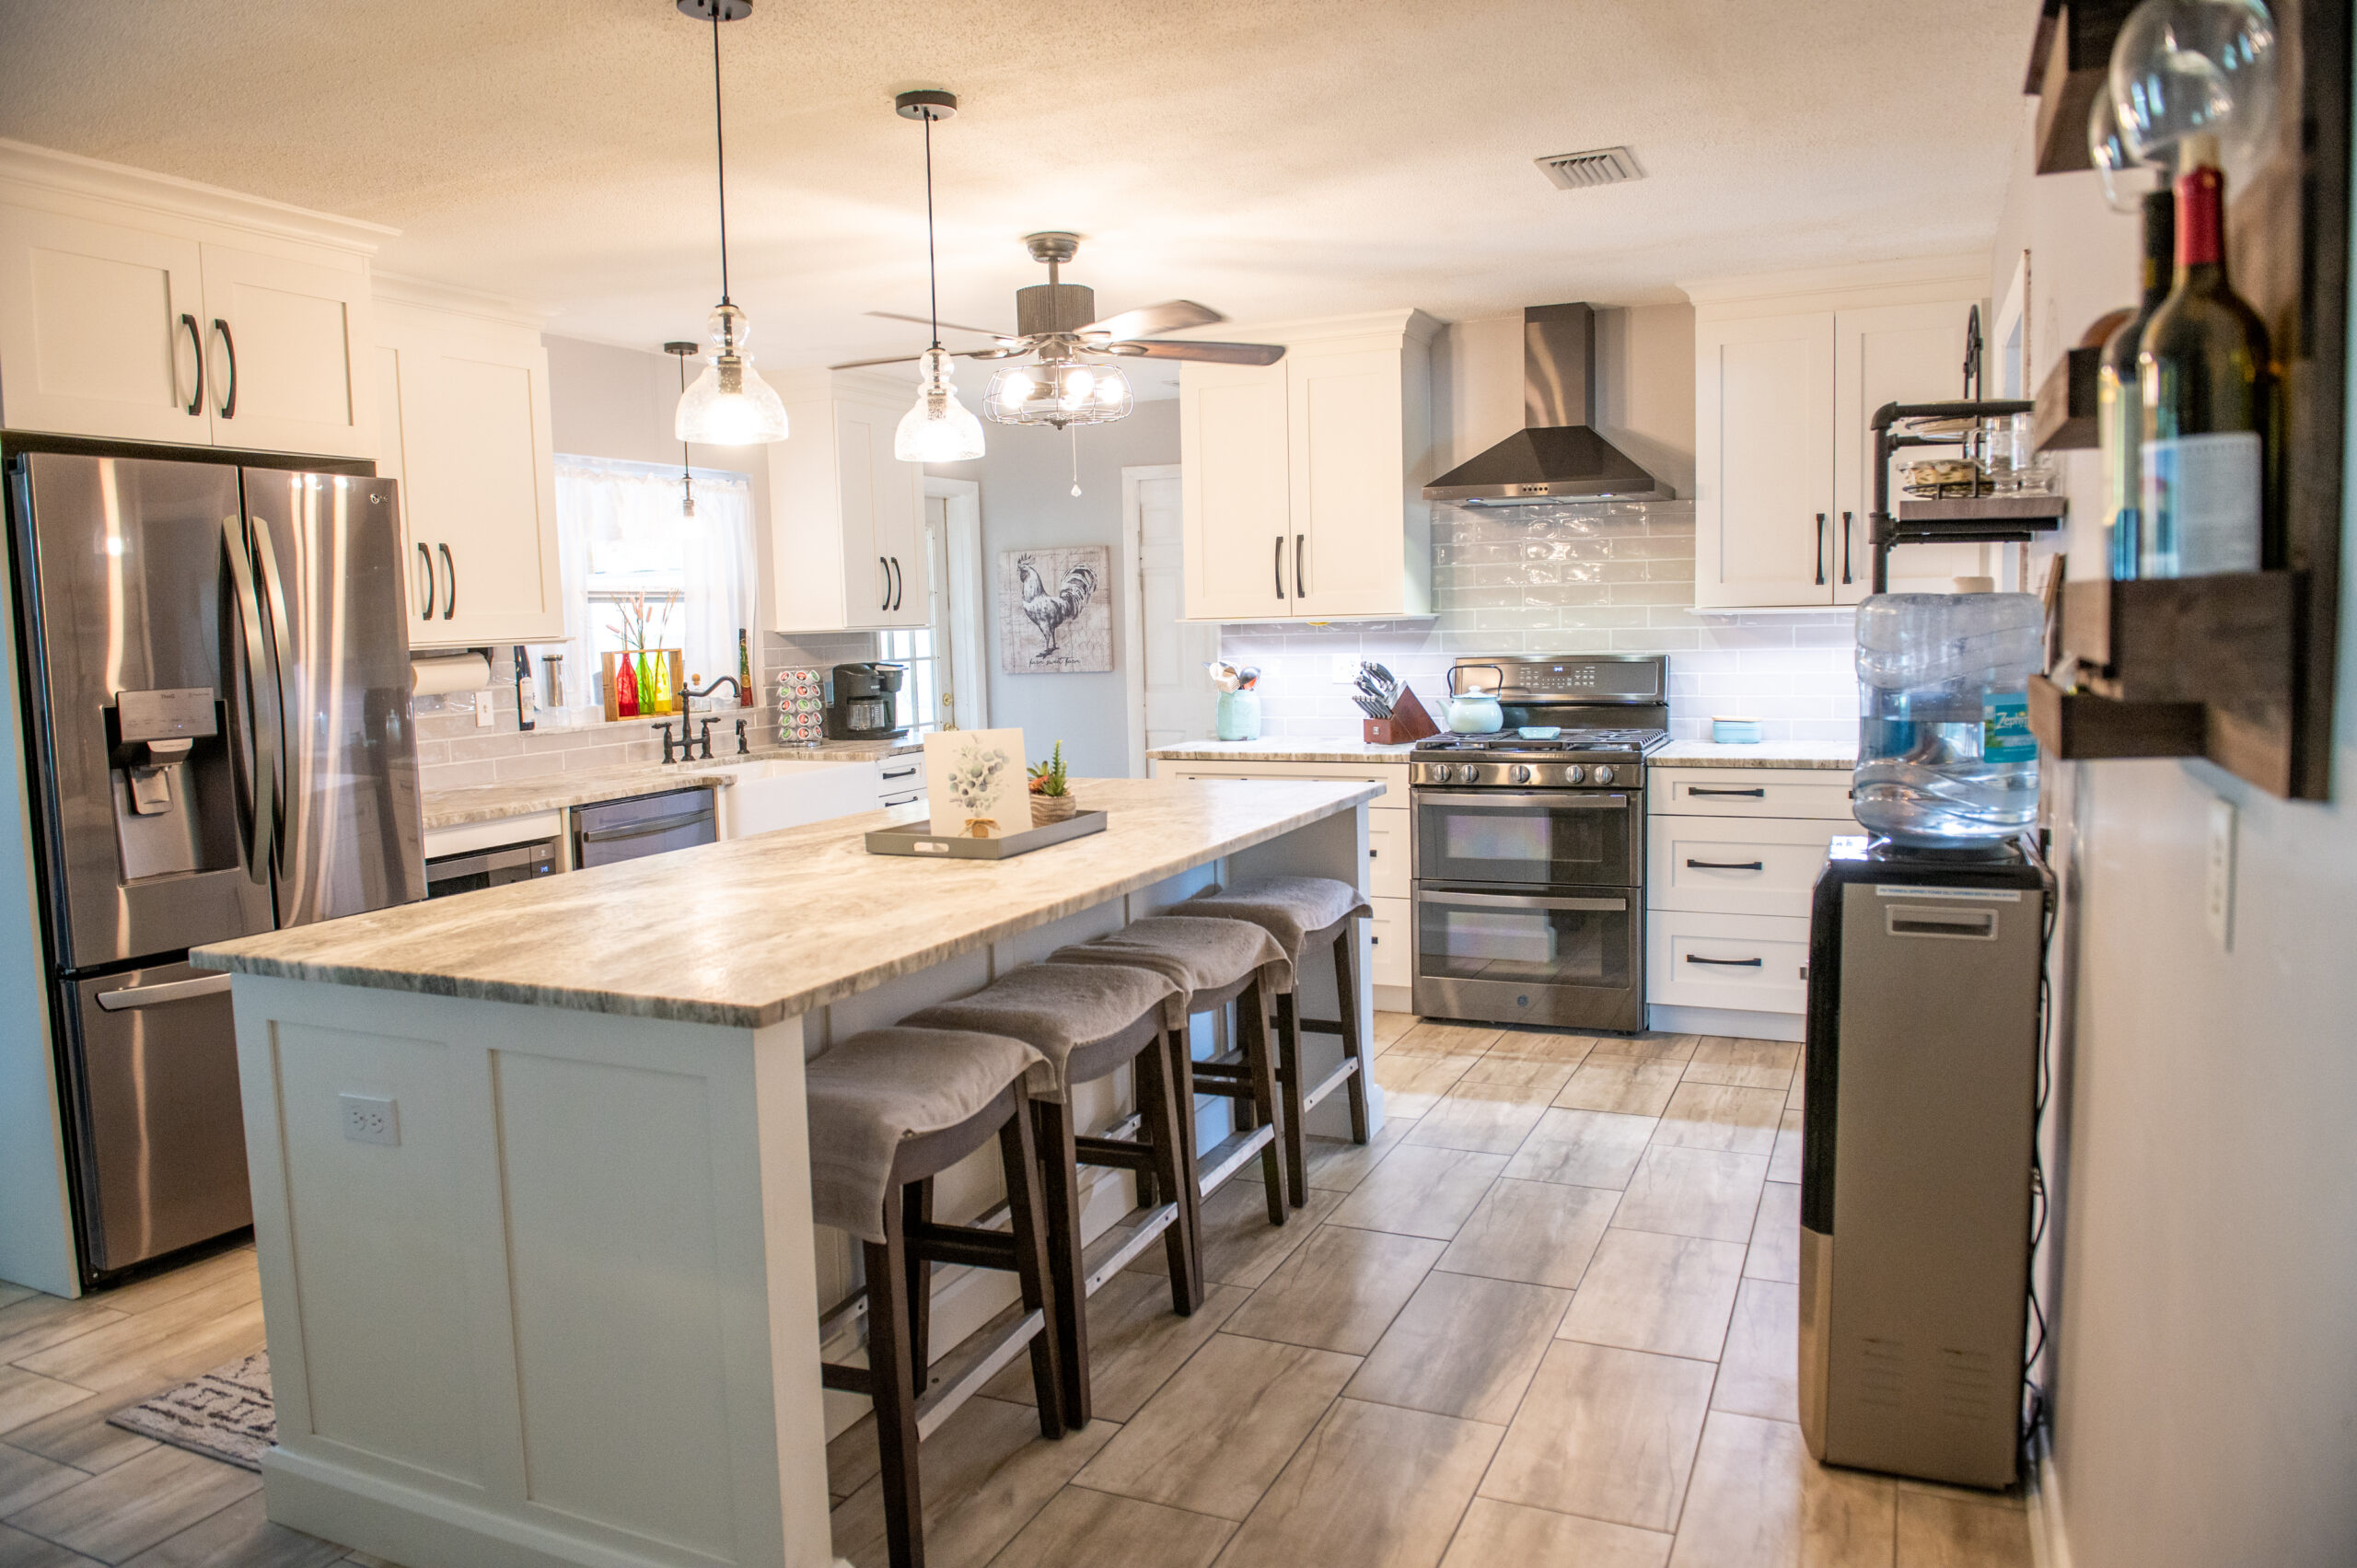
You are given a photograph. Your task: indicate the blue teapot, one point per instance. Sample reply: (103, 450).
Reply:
(1475, 712)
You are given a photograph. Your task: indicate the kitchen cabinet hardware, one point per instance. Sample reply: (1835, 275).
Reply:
(228, 409)
(450, 571)
(1280, 566)
(900, 584)
(1724, 963)
(1755, 794)
(196, 348)
(1846, 530)
(886, 568)
(1727, 865)
(1820, 550)
(1300, 542)
(898, 773)
(425, 559)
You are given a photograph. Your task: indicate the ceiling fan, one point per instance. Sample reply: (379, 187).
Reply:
(1076, 377)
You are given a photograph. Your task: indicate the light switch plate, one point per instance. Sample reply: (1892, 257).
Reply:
(1345, 670)
(370, 1119)
(2218, 875)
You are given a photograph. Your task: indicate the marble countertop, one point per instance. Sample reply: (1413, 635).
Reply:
(1283, 748)
(557, 791)
(1833, 755)
(749, 931)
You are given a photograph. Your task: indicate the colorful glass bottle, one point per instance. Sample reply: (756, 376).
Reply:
(625, 688)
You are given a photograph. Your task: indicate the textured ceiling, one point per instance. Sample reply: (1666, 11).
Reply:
(1270, 158)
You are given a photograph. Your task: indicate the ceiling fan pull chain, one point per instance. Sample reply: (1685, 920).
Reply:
(1073, 431)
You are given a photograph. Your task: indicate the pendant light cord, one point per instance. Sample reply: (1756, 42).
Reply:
(932, 266)
(720, 151)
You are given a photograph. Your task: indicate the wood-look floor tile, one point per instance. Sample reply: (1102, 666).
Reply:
(1694, 1192)
(1217, 1434)
(1747, 1063)
(1444, 1039)
(144, 1295)
(1776, 1235)
(1947, 1531)
(12, 1294)
(221, 1315)
(1340, 1292)
(1538, 1232)
(1081, 1528)
(1135, 1343)
(984, 1475)
(1798, 1095)
(1413, 1084)
(1372, 1486)
(18, 1549)
(1421, 1191)
(852, 1459)
(45, 1320)
(1240, 1247)
(26, 1479)
(1646, 1047)
(1624, 1087)
(1785, 1164)
(78, 1434)
(1758, 1371)
(1561, 1049)
(1389, 1026)
(1338, 1165)
(1463, 1346)
(1723, 1117)
(1507, 1535)
(1605, 1432)
(1517, 1072)
(1759, 1501)
(1583, 1149)
(1486, 1118)
(240, 1537)
(1671, 1295)
(26, 1397)
(129, 1508)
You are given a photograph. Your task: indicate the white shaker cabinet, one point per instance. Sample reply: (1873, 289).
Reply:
(1892, 354)
(846, 516)
(1236, 491)
(101, 329)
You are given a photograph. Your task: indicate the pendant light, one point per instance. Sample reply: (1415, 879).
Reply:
(687, 479)
(730, 405)
(938, 429)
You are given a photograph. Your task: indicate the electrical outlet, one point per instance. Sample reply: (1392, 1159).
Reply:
(2218, 878)
(1345, 670)
(370, 1119)
(483, 715)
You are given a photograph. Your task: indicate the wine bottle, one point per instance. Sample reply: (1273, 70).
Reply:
(2120, 414)
(2208, 396)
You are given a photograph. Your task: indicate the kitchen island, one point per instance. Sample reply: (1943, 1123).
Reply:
(531, 1192)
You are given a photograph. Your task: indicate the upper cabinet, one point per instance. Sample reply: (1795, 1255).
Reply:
(1787, 372)
(1303, 491)
(137, 307)
(461, 386)
(847, 545)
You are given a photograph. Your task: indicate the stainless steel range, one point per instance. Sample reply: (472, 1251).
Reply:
(1529, 855)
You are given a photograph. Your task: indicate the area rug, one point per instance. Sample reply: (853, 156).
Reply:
(227, 1414)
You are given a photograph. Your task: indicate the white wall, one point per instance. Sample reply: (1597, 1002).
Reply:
(1026, 475)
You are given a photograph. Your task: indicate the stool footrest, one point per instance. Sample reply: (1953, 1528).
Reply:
(1319, 1026)
(1219, 1162)
(1120, 1153)
(961, 1244)
(846, 1379)
(1334, 1080)
(975, 1363)
(1112, 1252)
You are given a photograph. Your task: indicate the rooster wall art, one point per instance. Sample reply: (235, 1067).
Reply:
(1054, 616)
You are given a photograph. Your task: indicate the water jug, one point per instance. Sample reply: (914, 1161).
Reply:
(1945, 758)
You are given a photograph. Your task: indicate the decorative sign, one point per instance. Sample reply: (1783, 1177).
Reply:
(976, 782)
(1054, 613)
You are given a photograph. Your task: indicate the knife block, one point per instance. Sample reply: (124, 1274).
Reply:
(1408, 722)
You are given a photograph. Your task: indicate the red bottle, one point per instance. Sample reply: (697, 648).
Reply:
(625, 689)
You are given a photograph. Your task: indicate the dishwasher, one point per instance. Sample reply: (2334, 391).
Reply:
(644, 825)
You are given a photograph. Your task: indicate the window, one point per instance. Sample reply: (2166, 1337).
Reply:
(920, 648)
(627, 540)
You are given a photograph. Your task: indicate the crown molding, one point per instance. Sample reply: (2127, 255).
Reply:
(451, 300)
(1893, 282)
(39, 170)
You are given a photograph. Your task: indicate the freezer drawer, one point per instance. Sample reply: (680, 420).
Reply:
(649, 824)
(162, 1142)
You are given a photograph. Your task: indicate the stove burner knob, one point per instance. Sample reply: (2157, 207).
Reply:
(1604, 774)
(1575, 774)
(1468, 772)
(1440, 772)
(1519, 773)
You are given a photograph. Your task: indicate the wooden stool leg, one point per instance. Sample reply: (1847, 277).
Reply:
(1178, 1054)
(916, 1211)
(1346, 988)
(1290, 1082)
(1019, 1153)
(1060, 1174)
(1252, 1012)
(1159, 1121)
(893, 1392)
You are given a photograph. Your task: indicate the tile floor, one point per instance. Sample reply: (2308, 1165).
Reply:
(1547, 1318)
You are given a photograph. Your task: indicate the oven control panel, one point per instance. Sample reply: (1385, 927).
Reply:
(1533, 774)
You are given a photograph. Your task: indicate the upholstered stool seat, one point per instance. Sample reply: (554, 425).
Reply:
(1303, 913)
(889, 1111)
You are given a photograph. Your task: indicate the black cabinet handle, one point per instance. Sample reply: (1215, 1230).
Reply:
(1299, 539)
(1820, 550)
(1845, 549)
(196, 348)
(1724, 963)
(1705, 789)
(229, 398)
(450, 569)
(425, 559)
(888, 584)
(1280, 566)
(903, 773)
(900, 584)
(1726, 864)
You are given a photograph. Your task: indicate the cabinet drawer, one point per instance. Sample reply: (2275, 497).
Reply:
(1750, 792)
(1735, 865)
(1394, 928)
(1386, 850)
(1392, 776)
(1747, 961)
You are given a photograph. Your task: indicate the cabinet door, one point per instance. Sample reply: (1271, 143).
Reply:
(286, 347)
(481, 486)
(866, 494)
(899, 529)
(422, 577)
(1345, 469)
(1236, 491)
(1763, 470)
(91, 337)
(1905, 354)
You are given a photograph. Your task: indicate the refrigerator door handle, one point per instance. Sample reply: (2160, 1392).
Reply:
(281, 659)
(260, 719)
(155, 995)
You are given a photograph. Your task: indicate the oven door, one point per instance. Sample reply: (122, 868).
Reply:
(1536, 840)
(1571, 959)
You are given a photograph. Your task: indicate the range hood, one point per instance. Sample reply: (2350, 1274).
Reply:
(1555, 457)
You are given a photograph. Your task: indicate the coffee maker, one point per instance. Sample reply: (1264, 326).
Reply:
(860, 699)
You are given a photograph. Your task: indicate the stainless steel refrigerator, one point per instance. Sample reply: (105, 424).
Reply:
(216, 691)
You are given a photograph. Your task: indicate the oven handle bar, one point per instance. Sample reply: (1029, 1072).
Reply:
(1520, 902)
(1552, 800)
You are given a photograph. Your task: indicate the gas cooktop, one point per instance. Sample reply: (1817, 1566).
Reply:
(1609, 742)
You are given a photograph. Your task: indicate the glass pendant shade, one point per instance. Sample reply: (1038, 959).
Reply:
(1066, 393)
(2180, 66)
(730, 405)
(939, 429)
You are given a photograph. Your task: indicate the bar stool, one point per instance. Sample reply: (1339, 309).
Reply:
(1303, 913)
(1087, 1021)
(890, 1109)
(1216, 962)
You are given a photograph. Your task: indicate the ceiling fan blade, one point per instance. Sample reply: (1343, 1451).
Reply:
(927, 321)
(913, 358)
(1170, 315)
(1218, 354)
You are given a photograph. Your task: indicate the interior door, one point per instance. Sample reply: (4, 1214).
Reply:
(1178, 702)
(101, 329)
(1237, 493)
(285, 354)
(1345, 463)
(1763, 472)
(1907, 354)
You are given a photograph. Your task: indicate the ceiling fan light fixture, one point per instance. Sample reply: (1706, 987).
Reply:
(939, 429)
(730, 405)
(1062, 393)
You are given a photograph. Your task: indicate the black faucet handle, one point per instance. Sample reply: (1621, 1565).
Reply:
(742, 749)
(703, 737)
(666, 728)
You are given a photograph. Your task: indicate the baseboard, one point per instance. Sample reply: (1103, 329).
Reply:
(2049, 1545)
(1731, 1021)
(1395, 998)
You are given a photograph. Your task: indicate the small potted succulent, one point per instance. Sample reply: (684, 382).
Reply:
(1051, 797)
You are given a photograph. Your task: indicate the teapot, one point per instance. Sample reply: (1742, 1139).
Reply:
(1474, 712)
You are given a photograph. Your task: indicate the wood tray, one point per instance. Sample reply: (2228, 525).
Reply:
(919, 839)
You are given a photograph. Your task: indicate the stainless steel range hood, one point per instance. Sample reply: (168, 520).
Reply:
(1555, 457)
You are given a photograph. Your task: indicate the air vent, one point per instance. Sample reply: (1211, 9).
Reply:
(1581, 171)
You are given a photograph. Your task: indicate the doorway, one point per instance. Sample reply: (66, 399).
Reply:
(953, 544)
(1168, 699)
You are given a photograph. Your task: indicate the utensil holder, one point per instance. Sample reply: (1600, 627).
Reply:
(1409, 721)
(1239, 715)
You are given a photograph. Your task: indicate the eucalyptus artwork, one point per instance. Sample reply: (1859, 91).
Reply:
(977, 783)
